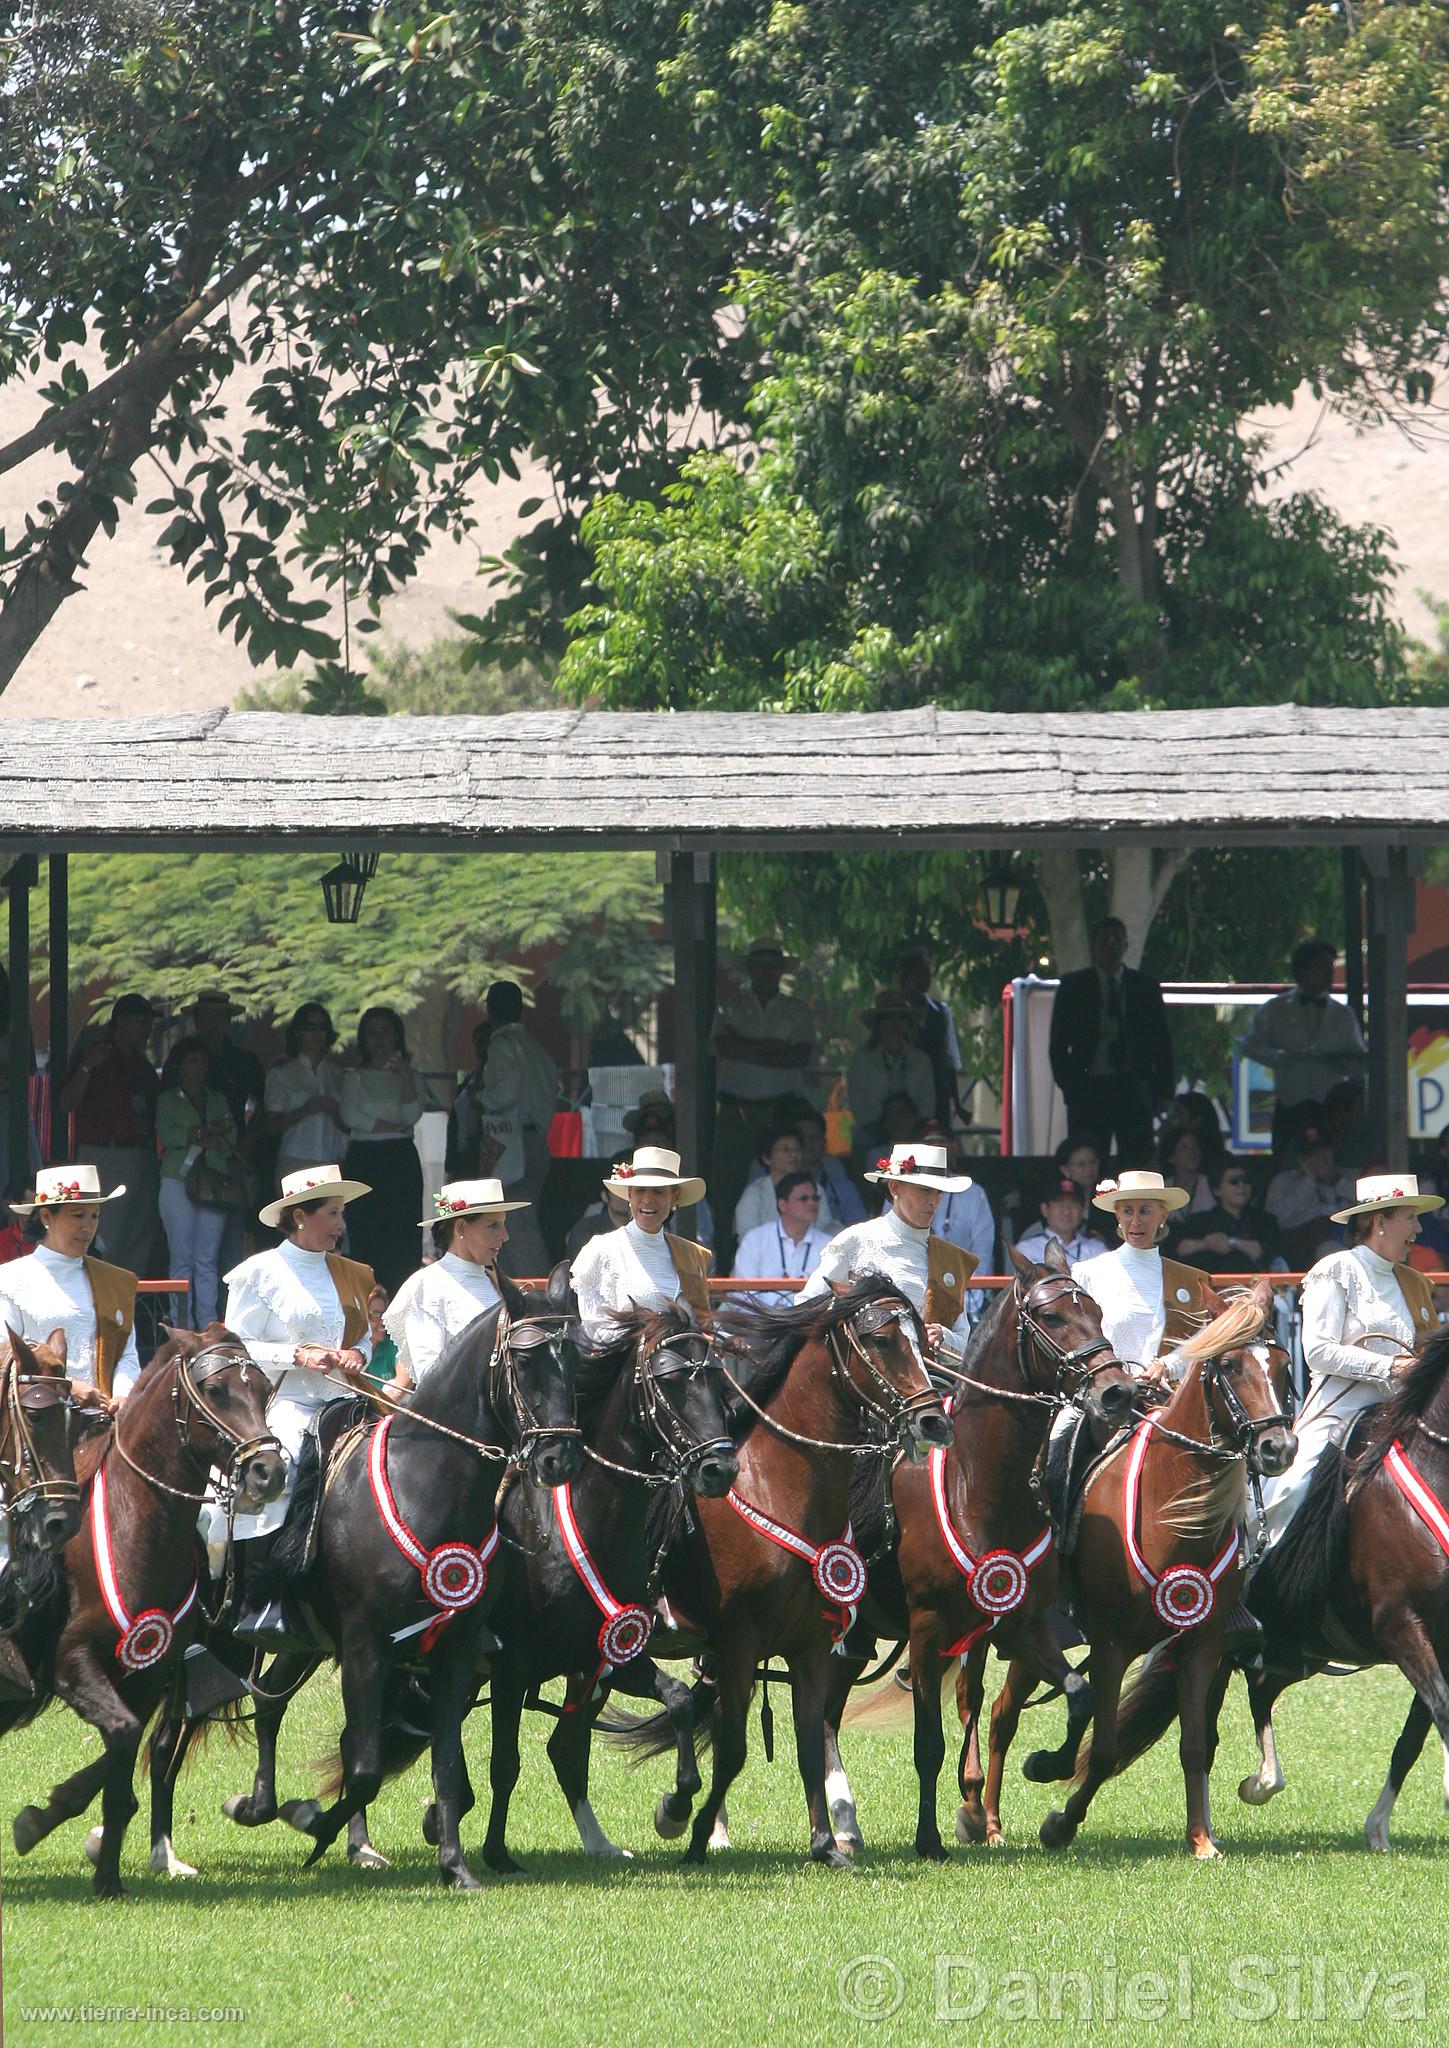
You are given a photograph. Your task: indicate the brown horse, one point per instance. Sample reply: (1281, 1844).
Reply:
(132, 1568)
(770, 1570)
(974, 1564)
(1159, 1558)
(39, 1495)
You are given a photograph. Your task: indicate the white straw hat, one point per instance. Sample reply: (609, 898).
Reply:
(1135, 1186)
(1376, 1191)
(65, 1187)
(655, 1166)
(312, 1184)
(469, 1198)
(921, 1165)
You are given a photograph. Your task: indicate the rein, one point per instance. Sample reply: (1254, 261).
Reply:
(26, 1466)
(652, 1412)
(888, 1413)
(184, 1380)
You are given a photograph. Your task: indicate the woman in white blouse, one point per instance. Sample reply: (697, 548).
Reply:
(642, 1265)
(1147, 1302)
(381, 1103)
(1364, 1309)
(929, 1271)
(59, 1286)
(469, 1229)
(301, 1311)
(302, 1094)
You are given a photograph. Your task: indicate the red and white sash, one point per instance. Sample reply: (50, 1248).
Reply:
(997, 1580)
(147, 1637)
(1184, 1595)
(838, 1568)
(1421, 1498)
(626, 1626)
(454, 1575)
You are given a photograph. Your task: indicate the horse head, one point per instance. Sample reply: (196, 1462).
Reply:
(37, 1449)
(881, 1366)
(218, 1398)
(678, 1403)
(534, 1375)
(1236, 1369)
(1061, 1348)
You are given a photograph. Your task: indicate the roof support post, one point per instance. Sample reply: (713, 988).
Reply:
(20, 878)
(1353, 931)
(689, 912)
(58, 874)
(1391, 916)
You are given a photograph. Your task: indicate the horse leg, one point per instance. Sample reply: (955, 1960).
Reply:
(86, 1688)
(808, 1680)
(506, 1696)
(1108, 1666)
(256, 1808)
(454, 1680)
(970, 1693)
(1267, 1781)
(67, 1801)
(1409, 1643)
(364, 1684)
(569, 1748)
(1006, 1713)
(1197, 1669)
(166, 1752)
(1048, 1766)
(929, 1748)
(1406, 1754)
(844, 1821)
(734, 1676)
(644, 1679)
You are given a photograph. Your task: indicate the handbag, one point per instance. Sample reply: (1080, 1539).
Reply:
(233, 1190)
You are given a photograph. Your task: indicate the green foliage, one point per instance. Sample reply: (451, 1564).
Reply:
(439, 680)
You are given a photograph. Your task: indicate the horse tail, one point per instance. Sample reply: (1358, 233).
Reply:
(649, 1735)
(1295, 1581)
(1144, 1715)
(34, 1606)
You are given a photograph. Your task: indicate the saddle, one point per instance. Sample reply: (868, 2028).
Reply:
(1068, 1460)
(341, 1427)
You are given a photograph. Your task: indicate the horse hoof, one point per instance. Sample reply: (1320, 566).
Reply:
(933, 1852)
(461, 1879)
(665, 1826)
(93, 1845)
(1253, 1791)
(970, 1827)
(1042, 1768)
(164, 1860)
(720, 1836)
(1206, 1851)
(832, 1858)
(1056, 1831)
(109, 1888)
(301, 1814)
(367, 1858)
(504, 1864)
(1377, 1839)
(430, 1826)
(995, 1839)
(28, 1828)
(852, 1842)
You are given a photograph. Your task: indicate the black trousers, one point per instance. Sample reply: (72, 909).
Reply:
(1113, 1106)
(382, 1228)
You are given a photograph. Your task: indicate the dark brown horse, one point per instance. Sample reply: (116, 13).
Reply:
(974, 1565)
(1159, 1559)
(770, 1570)
(131, 1570)
(39, 1496)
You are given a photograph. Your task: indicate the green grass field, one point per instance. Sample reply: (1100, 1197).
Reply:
(1124, 1936)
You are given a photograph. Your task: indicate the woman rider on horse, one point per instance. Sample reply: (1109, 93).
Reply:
(470, 1228)
(641, 1264)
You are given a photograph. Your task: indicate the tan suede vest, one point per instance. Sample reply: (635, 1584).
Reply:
(354, 1282)
(692, 1263)
(948, 1270)
(1184, 1303)
(1418, 1291)
(113, 1291)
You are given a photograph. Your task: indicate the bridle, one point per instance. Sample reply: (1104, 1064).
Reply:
(505, 1390)
(880, 1400)
(189, 1376)
(682, 1450)
(21, 1465)
(1074, 1370)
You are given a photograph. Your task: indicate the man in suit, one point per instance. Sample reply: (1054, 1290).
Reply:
(1111, 1051)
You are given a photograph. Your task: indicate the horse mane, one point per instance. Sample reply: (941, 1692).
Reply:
(459, 1380)
(1406, 1405)
(599, 1371)
(1199, 1510)
(773, 1338)
(1238, 1324)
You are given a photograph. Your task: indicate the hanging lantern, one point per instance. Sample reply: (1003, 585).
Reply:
(342, 890)
(1000, 890)
(365, 863)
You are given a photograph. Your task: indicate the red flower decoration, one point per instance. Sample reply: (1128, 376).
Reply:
(1106, 1187)
(900, 1166)
(64, 1191)
(623, 1173)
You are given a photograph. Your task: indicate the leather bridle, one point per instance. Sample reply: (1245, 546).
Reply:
(506, 1391)
(879, 1398)
(189, 1375)
(22, 1467)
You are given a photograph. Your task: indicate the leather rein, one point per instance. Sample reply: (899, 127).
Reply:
(20, 1461)
(187, 1381)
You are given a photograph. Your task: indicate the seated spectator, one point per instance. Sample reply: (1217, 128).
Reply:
(1194, 1111)
(1302, 1199)
(1061, 1207)
(838, 1191)
(1080, 1161)
(1235, 1235)
(382, 1366)
(1180, 1163)
(779, 1155)
(610, 1212)
(787, 1249)
(193, 1122)
(889, 1064)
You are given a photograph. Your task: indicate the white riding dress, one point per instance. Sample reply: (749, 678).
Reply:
(624, 1269)
(45, 1291)
(1127, 1286)
(896, 1251)
(431, 1307)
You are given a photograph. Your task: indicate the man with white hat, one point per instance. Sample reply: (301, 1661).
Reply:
(1365, 1308)
(470, 1228)
(930, 1272)
(61, 1287)
(641, 1264)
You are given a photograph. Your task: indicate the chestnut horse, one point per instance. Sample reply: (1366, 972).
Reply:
(974, 1563)
(770, 1570)
(131, 1569)
(1159, 1559)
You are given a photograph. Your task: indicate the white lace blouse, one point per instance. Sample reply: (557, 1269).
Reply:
(891, 1248)
(432, 1306)
(278, 1300)
(1127, 1286)
(623, 1269)
(1355, 1319)
(44, 1292)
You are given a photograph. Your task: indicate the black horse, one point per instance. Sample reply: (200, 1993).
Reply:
(40, 1496)
(404, 1568)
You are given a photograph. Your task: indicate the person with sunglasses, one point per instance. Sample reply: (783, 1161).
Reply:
(303, 1094)
(1235, 1235)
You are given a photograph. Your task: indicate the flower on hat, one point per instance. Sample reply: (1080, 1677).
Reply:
(1106, 1187)
(623, 1173)
(63, 1191)
(899, 1166)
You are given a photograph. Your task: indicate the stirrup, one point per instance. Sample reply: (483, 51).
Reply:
(1243, 1635)
(274, 1625)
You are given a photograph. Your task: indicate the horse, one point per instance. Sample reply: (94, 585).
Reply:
(1178, 1489)
(39, 1492)
(771, 1569)
(973, 1564)
(1361, 1576)
(404, 1567)
(131, 1569)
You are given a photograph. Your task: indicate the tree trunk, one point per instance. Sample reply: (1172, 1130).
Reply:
(1059, 877)
(1141, 878)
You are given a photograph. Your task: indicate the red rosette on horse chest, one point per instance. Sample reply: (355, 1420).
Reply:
(840, 1573)
(625, 1635)
(147, 1640)
(998, 1584)
(1183, 1596)
(454, 1576)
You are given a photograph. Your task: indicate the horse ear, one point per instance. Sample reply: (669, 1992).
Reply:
(839, 1286)
(514, 1298)
(1023, 1265)
(1212, 1300)
(1057, 1259)
(56, 1342)
(19, 1349)
(560, 1290)
(1263, 1295)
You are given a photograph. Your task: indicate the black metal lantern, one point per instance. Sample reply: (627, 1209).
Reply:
(1000, 890)
(365, 863)
(342, 891)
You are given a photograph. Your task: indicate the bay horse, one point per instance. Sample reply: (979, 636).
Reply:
(1159, 1560)
(406, 1567)
(973, 1563)
(1361, 1576)
(39, 1493)
(131, 1569)
(770, 1570)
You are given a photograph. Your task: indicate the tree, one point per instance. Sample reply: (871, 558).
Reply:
(438, 268)
(1037, 267)
(442, 679)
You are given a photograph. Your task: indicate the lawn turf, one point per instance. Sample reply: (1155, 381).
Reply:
(761, 1947)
